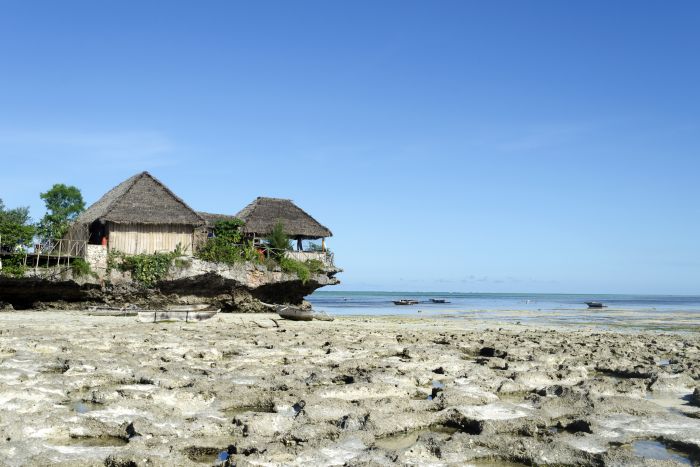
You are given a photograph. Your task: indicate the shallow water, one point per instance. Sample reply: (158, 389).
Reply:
(98, 441)
(84, 407)
(399, 441)
(234, 411)
(670, 313)
(658, 451)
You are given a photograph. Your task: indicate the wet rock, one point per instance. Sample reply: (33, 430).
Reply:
(462, 423)
(114, 460)
(492, 352)
(695, 397)
(578, 426)
(555, 390)
(672, 383)
(626, 371)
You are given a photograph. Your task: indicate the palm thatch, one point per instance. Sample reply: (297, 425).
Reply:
(141, 199)
(262, 214)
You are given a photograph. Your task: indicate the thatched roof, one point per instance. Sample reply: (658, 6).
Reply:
(261, 215)
(141, 199)
(211, 219)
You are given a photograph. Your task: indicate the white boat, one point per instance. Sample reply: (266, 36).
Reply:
(321, 315)
(129, 310)
(294, 313)
(188, 316)
(195, 307)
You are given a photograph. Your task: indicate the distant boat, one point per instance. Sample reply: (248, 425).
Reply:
(405, 301)
(439, 300)
(595, 305)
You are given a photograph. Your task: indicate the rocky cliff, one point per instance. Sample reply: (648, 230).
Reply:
(240, 287)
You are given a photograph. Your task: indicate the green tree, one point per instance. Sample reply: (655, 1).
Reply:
(15, 227)
(278, 241)
(63, 204)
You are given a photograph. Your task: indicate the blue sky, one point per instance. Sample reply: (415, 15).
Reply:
(455, 146)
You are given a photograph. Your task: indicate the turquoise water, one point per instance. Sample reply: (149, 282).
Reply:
(641, 311)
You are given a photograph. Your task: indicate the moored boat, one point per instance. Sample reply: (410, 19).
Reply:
(595, 305)
(294, 313)
(195, 307)
(405, 301)
(321, 315)
(438, 300)
(129, 310)
(187, 316)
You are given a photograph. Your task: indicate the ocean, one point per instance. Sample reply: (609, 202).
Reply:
(662, 312)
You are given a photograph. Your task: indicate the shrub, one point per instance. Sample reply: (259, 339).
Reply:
(278, 241)
(79, 267)
(270, 264)
(219, 250)
(229, 231)
(145, 269)
(148, 269)
(315, 265)
(13, 266)
(293, 266)
(182, 263)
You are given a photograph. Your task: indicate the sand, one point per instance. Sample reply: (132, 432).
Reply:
(250, 390)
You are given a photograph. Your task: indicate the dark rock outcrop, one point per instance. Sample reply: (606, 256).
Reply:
(240, 287)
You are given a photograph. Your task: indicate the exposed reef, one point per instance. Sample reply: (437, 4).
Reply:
(246, 390)
(240, 287)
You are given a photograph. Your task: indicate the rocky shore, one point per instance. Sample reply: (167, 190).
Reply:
(239, 287)
(247, 389)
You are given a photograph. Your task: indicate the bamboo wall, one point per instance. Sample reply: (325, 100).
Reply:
(135, 239)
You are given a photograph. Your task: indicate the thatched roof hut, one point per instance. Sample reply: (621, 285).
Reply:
(140, 215)
(262, 214)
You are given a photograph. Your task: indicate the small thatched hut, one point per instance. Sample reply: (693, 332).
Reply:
(262, 214)
(140, 215)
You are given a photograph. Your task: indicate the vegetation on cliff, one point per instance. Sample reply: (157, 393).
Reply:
(145, 269)
(228, 245)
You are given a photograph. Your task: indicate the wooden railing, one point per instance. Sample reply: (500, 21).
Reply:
(58, 250)
(51, 255)
(62, 248)
(325, 257)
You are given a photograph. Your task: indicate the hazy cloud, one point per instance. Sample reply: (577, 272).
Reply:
(119, 148)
